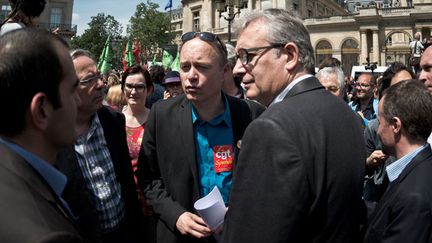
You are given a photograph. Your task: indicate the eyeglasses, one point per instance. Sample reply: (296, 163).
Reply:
(205, 36)
(90, 81)
(137, 87)
(243, 53)
(364, 86)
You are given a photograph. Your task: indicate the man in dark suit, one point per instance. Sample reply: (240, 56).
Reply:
(39, 100)
(101, 189)
(404, 213)
(300, 170)
(184, 136)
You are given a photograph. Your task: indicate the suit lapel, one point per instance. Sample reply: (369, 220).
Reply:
(306, 85)
(188, 141)
(17, 165)
(239, 122)
(110, 138)
(390, 193)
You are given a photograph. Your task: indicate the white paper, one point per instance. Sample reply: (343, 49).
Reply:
(212, 208)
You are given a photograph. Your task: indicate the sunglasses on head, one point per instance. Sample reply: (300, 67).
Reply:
(204, 36)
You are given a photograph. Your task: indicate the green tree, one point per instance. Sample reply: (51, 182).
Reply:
(100, 27)
(149, 25)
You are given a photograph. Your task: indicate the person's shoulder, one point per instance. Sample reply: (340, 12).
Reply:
(171, 102)
(10, 27)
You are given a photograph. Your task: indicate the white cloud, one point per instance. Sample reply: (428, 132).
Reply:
(75, 17)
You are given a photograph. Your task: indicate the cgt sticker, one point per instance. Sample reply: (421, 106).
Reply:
(223, 158)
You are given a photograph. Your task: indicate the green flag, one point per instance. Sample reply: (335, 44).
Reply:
(154, 60)
(129, 59)
(175, 65)
(166, 59)
(105, 59)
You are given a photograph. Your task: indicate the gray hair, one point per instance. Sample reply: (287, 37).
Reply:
(284, 27)
(327, 71)
(232, 55)
(79, 53)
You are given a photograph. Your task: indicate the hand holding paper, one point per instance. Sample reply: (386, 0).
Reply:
(212, 208)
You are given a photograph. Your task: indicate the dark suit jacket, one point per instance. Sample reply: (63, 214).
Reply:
(77, 194)
(404, 213)
(167, 168)
(29, 209)
(300, 172)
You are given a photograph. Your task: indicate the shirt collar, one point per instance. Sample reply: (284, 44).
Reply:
(284, 92)
(224, 117)
(55, 179)
(396, 168)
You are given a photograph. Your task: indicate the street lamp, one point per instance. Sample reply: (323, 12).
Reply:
(222, 5)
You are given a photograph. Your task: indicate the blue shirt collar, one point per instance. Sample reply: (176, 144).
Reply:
(396, 168)
(55, 179)
(224, 117)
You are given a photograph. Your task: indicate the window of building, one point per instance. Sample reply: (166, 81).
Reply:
(5, 9)
(196, 21)
(295, 7)
(56, 16)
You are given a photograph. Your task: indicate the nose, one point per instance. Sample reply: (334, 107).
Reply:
(239, 69)
(100, 83)
(192, 74)
(422, 76)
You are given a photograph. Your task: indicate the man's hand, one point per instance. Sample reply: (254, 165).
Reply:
(376, 158)
(192, 225)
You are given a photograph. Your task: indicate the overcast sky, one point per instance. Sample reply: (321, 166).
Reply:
(122, 10)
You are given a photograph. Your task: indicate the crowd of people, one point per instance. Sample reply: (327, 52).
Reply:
(294, 154)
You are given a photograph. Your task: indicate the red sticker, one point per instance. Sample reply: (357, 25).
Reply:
(223, 158)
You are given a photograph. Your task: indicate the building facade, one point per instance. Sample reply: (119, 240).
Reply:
(351, 30)
(57, 14)
(380, 33)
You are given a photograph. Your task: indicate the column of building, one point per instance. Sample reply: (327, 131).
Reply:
(364, 50)
(375, 48)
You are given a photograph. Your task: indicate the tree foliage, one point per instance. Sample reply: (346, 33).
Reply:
(149, 25)
(100, 27)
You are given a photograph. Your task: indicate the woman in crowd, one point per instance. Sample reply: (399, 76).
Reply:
(136, 86)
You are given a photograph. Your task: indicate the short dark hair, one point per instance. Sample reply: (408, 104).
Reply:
(157, 74)
(411, 102)
(134, 70)
(329, 62)
(389, 73)
(31, 8)
(29, 64)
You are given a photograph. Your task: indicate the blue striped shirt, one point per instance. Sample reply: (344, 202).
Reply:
(395, 169)
(98, 171)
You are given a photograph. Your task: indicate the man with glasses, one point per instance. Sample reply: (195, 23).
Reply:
(101, 189)
(365, 103)
(300, 171)
(190, 141)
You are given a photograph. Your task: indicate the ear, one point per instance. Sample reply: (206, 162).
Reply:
(227, 72)
(396, 125)
(291, 53)
(40, 111)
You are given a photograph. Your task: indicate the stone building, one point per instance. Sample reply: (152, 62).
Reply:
(378, 30)
(380, 33)
(57, 14)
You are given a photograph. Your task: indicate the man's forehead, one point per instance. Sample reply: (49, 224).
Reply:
(253, 33)
(365, 77)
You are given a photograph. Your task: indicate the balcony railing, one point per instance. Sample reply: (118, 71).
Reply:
(64, 29)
